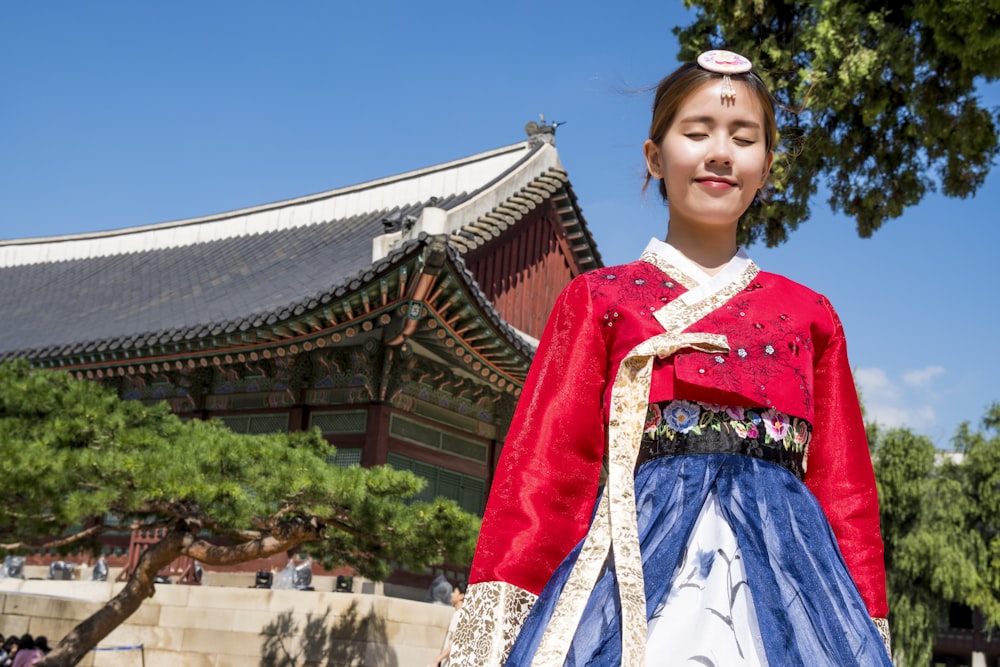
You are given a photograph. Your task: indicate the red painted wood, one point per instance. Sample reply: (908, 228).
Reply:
(181, 570)
(523, 271)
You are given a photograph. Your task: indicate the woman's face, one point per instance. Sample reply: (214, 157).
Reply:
(713, 157)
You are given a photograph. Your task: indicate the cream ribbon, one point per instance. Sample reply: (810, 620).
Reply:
(614, 526)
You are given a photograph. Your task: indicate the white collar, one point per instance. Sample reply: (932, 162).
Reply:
(707, 284)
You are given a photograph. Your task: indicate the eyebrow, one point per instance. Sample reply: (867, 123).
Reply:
(710, 120)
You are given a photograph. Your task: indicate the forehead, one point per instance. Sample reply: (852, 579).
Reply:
(705, 101)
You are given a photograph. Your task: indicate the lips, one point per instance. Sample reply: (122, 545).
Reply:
(719, 182)
(716, 181)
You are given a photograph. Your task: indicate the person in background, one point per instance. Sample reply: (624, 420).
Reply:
(100, 572)
(9, 651)
(42, 643)
(440, 591)
(27, 652)
(457, 599)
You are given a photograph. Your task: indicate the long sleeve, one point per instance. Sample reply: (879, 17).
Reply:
(546, 481)
(547, 477)
(839, 471)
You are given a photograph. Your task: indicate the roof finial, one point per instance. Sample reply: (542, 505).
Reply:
(541, 132)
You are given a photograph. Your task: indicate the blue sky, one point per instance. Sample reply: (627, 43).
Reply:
(116, 114)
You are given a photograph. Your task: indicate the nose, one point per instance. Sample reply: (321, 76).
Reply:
(719, 152)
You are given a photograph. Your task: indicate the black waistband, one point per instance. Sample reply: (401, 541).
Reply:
(684, 427)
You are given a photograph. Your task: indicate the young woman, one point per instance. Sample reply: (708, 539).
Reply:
(738, 522)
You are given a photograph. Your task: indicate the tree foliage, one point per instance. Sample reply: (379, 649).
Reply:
(940, 514)
(879, 99)
(78, 461)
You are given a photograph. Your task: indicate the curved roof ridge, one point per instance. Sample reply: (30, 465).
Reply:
(449, 178)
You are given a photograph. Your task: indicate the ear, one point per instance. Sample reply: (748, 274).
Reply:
(767, 168)
(654, 158)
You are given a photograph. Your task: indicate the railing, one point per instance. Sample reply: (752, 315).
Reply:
(182, 570)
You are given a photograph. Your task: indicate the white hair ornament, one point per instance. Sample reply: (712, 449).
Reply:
(725, 63)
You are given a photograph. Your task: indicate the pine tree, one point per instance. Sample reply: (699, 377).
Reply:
(78, 461)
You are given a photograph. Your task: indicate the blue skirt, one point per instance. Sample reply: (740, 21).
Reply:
(807, 606)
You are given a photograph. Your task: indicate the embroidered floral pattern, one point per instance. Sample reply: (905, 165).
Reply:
(769, 354)
(883, 629)
(489, 622)
(776, 425)
(768, 345)
(681, 416)
(687, 427)
(641, 293)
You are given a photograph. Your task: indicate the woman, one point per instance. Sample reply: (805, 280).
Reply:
(738, 524)
(27, 653)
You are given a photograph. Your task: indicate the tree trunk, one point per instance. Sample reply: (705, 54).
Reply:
(85, 636)
(179, 541)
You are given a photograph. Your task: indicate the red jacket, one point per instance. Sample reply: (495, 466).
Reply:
(786, 351)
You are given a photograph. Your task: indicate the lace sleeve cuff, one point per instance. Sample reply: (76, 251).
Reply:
(883, 629)
(489, 621)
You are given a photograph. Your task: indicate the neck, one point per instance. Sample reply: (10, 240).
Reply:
(711, 250)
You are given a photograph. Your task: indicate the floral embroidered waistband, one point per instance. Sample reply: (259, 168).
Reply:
(686, 427)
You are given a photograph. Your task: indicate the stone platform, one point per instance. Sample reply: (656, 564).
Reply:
(219, 626)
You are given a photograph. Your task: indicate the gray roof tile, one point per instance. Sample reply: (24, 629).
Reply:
(162, 295)
(173, 294)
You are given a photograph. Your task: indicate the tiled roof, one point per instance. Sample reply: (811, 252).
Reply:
(231, 272)
(58, 307)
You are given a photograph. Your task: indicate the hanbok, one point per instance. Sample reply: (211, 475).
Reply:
(686, 482)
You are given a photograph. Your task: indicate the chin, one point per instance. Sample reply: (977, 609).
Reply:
(719, 221)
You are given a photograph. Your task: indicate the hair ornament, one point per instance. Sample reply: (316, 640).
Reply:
(725, 63)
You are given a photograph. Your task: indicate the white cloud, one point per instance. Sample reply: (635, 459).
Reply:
(922, 377)
(909, 401)
(874, 382)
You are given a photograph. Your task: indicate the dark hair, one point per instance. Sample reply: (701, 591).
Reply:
(677, 86)
(27, 642)
(42, 642)
(461, 587)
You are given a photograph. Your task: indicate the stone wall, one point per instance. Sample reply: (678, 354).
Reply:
(210, 626)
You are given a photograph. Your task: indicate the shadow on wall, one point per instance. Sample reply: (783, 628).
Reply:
(348, 640)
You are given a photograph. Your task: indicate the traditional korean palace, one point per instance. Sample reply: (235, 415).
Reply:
(399, 316)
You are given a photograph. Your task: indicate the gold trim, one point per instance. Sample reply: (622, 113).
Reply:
(489, 621)
(882, 624)
(672, 271)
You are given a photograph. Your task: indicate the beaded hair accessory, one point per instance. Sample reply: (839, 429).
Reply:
(725, 63)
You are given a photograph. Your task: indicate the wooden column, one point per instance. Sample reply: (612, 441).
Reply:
(376, 449)
(298, 418)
